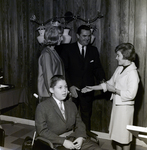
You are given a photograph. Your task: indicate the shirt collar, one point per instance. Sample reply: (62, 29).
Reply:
(80, 46)
(58, 101)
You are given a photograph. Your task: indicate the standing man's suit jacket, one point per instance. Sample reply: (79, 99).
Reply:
(50, 123)
(81, 71)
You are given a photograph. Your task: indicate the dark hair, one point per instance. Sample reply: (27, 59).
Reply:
(55, 79)
(127, 50)
(83, 27)
(52, 34)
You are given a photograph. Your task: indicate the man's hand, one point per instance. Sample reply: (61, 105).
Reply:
(68, 144)
(78, 142)
(73, 90)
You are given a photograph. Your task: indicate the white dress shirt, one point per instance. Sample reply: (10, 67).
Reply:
(59, 103)
(80, 48)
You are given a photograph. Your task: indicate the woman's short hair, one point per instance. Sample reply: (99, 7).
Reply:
(55, 79)
(127, 50)
(52, 34)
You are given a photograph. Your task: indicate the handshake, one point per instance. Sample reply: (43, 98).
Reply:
(87, 89)
(74, 89)
(104, 86)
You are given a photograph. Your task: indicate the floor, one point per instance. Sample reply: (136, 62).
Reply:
(16, 133)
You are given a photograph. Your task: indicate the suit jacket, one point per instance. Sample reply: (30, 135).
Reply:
(50, 123)
(49, 64)
(126, 82)
(81, 71)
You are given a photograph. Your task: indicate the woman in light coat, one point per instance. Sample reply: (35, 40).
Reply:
(123, 85)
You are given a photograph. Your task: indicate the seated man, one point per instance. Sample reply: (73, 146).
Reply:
(55, 118)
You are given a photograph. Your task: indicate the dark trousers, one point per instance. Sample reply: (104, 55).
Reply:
(84, 104)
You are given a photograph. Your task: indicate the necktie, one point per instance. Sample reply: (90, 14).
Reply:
(83, 51)
(62, 110)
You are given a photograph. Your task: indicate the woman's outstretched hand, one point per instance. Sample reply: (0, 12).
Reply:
(110, 88)
(87, 89)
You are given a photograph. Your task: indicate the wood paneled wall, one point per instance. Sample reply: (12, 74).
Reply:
(124, 21)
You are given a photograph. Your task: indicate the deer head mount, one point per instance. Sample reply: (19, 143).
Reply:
(68, 17)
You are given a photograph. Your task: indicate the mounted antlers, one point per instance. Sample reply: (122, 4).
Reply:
(89, 21)
(68, 18)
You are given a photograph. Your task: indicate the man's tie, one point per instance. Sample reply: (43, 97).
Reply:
(62, 110)
(83, 52)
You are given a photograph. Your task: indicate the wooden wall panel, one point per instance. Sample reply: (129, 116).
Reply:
(141, 46)
(131, 20)
(105, 52)
(19, 49)
(48, 12)
(123, 21)
(1, 52)
(4, 37)
(13, 42)
(114, 34)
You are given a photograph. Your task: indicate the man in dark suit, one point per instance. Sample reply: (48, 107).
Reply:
(82, 67)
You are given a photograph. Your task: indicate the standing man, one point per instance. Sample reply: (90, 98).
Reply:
(82, 66)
